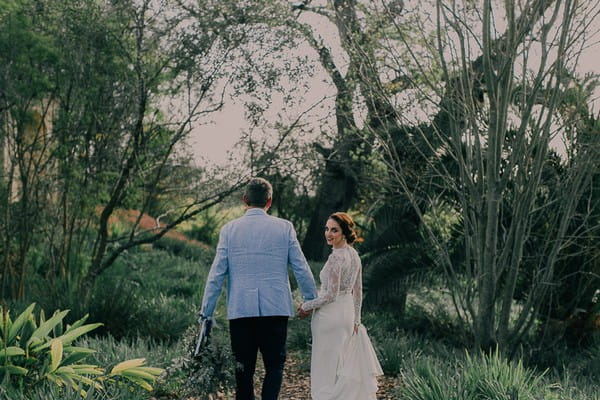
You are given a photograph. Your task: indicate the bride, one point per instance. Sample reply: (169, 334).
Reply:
(344, 365)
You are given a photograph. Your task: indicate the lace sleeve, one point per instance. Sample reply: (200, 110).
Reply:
(332, 282)
(357, 295)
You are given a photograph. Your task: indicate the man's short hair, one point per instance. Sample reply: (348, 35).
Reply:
(258, 192)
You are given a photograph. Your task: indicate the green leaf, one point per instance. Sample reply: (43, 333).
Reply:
(139, 382)
(73, 334)
(13, 369)
(78, 323)
(124, 365)
(56, 354)
(11, 351)
(20, 322)
(134, 372)
(46, 326)
(88, 369)
(5, 322)
(75, 354)
(27, 330)
(67, 337)
(151, 370)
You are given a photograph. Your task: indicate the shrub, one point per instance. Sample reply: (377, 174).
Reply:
(427, 380)
(491, 376)
(164, 318)
(205, 227)
(41, 350)
(184, 249)
(212, 371)
(53, 392)
(299, 335)
(162, 272)
(155, 294)
(481, 377)
(391, 354)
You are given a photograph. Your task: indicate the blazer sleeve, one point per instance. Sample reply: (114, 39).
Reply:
(216, 276)
(300, 267)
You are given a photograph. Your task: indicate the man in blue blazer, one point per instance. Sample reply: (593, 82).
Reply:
(254, 252)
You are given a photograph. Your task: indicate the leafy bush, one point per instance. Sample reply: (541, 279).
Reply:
(183, 249)
(41, 350)
(391, 353)
(481, 377)
(155, 294)
(110, 391)
(427, 381)
(162, 272)
(212, 371)
(491, 376)
(164, 318)
(299, 335)
(206, 225)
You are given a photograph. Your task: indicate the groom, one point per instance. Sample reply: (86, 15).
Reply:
(253, 254)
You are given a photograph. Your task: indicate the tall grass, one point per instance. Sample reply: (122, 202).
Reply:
(424, 381)
(472, 378)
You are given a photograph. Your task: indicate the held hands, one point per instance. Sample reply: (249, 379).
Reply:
(303, 314)
(355, 328)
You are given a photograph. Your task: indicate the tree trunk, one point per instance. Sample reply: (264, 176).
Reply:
(336, 191)
(345, 162)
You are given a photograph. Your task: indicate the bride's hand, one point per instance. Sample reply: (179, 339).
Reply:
(303, 314)
(355, 328)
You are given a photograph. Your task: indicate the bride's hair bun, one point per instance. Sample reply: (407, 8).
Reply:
(345, 222)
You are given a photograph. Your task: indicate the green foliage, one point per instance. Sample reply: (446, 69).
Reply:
(206, 225)
(491, 376)
(35, 350)
(425, 382)
(391, 354)
(180, 248)
(213, 370)
(480, 377)
(53, 392)
(108, 352)
(151, 293)
(395, 256)
(299, 335)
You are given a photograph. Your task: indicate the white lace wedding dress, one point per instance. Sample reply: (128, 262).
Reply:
(344, 365)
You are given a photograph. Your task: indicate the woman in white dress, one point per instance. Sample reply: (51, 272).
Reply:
(344, 365)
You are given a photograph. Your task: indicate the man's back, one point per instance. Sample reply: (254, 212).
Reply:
(253, 252)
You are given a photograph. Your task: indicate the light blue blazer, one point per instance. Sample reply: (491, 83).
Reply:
(253, 254)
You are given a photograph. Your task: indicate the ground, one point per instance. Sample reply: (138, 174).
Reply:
(296, 382)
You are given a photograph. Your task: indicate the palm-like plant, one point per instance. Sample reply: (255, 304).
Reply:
(394, 253)
(33, 351)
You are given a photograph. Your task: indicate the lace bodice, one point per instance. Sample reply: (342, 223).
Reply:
(341, 274)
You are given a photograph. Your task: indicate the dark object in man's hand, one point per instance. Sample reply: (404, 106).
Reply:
(203, 334)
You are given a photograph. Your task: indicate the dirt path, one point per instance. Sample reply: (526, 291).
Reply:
(296, 382)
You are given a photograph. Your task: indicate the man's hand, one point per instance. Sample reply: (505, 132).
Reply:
(303, 314)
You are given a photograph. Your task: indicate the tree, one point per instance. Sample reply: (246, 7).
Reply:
(345, 159)
(499, 113)
(96, 106)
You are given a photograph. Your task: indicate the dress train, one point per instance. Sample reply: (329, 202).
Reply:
(344, 365)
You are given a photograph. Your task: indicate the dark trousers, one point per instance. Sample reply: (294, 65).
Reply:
(248, 335)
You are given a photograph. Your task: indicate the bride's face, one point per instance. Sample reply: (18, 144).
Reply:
(333, 234)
